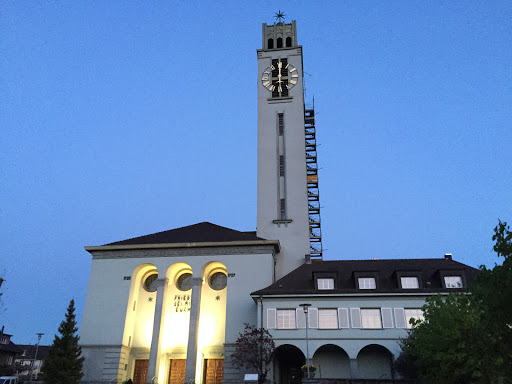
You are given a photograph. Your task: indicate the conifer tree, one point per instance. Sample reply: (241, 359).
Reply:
(64, 362)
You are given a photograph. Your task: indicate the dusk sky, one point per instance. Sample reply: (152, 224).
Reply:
(120, 119)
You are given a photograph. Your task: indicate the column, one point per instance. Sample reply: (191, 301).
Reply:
(195, 299)
(160, 284)
(354, 371)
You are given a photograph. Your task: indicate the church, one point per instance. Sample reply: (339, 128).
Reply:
(168, 307)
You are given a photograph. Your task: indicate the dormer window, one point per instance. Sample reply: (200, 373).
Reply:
(325, 283)
(453, 282)
(409, 282)
(366, 283)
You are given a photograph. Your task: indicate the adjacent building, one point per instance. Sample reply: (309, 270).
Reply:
(8, 350)
(29, 360)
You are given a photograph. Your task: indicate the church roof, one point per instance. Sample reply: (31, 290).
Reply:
(204, 232)
(387, 273)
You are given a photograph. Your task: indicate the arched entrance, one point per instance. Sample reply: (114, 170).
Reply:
(331, 362)
(287, 362)
(375, 362)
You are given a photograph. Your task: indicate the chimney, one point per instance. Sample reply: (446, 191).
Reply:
(448, 256)
(308, 259)
(2, 331)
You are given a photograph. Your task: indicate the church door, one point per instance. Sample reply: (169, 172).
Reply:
(214, 371)
(177, 371)
(140, 373)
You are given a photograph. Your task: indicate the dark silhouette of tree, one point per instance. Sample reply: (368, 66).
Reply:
(254, 349)
(467, 338)
(64, 362)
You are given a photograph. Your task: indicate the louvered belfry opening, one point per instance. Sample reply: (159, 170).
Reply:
(315, 229)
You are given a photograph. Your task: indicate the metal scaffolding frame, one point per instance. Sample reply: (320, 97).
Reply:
(315, 229)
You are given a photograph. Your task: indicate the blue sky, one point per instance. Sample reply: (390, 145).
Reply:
(120, 119)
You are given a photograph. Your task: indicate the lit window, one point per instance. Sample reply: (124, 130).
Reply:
(327, 318)
(286, 319)
(371, 318)
(366, 282)
(453, 282)
(325, 283)
(416, 314)
(409, 282)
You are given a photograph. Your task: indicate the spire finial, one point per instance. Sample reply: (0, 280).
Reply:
(279, 15)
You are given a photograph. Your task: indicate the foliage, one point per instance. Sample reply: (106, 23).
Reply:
(312, 368)
(64, 362)
(447, 344)
(254, 350)
(405, 363)
(466, 338)
(2, 280)
(493, 295)
(7, 370)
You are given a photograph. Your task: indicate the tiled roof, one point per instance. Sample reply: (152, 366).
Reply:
(197, 233)
(386, 272)
(10, 348)
(30, 351)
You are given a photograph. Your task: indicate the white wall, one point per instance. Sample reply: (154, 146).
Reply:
(294, 236)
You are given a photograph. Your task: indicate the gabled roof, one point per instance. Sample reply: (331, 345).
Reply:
(30, 351)
(386, 272)
(9, 348)
(204, 232)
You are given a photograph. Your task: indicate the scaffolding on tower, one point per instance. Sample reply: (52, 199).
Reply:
(315, 229)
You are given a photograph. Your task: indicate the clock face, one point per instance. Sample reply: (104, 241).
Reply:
(279, 77)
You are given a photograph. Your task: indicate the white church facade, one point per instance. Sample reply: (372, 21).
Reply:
(168, 307)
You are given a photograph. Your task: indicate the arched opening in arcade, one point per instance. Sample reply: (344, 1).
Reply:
(375, 362)
(287, 362)
(331, 362)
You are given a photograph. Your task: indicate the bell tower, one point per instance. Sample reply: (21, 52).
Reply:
(282, 178)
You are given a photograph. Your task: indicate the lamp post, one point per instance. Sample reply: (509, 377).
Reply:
(39, 335)
(305, 308)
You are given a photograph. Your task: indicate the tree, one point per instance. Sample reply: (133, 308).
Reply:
(1, 282)
(254, 350)
(64, 362)
(467, 338)
(446, 345)
(492, 293)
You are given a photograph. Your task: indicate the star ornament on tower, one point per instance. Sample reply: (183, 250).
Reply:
(279, 15)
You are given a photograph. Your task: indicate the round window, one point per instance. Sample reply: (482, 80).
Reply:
(148, 280)
(218, 281)
(184, 282)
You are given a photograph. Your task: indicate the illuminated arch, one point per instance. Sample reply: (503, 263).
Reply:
(174, 337)
(139, 314)
(212, 321)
